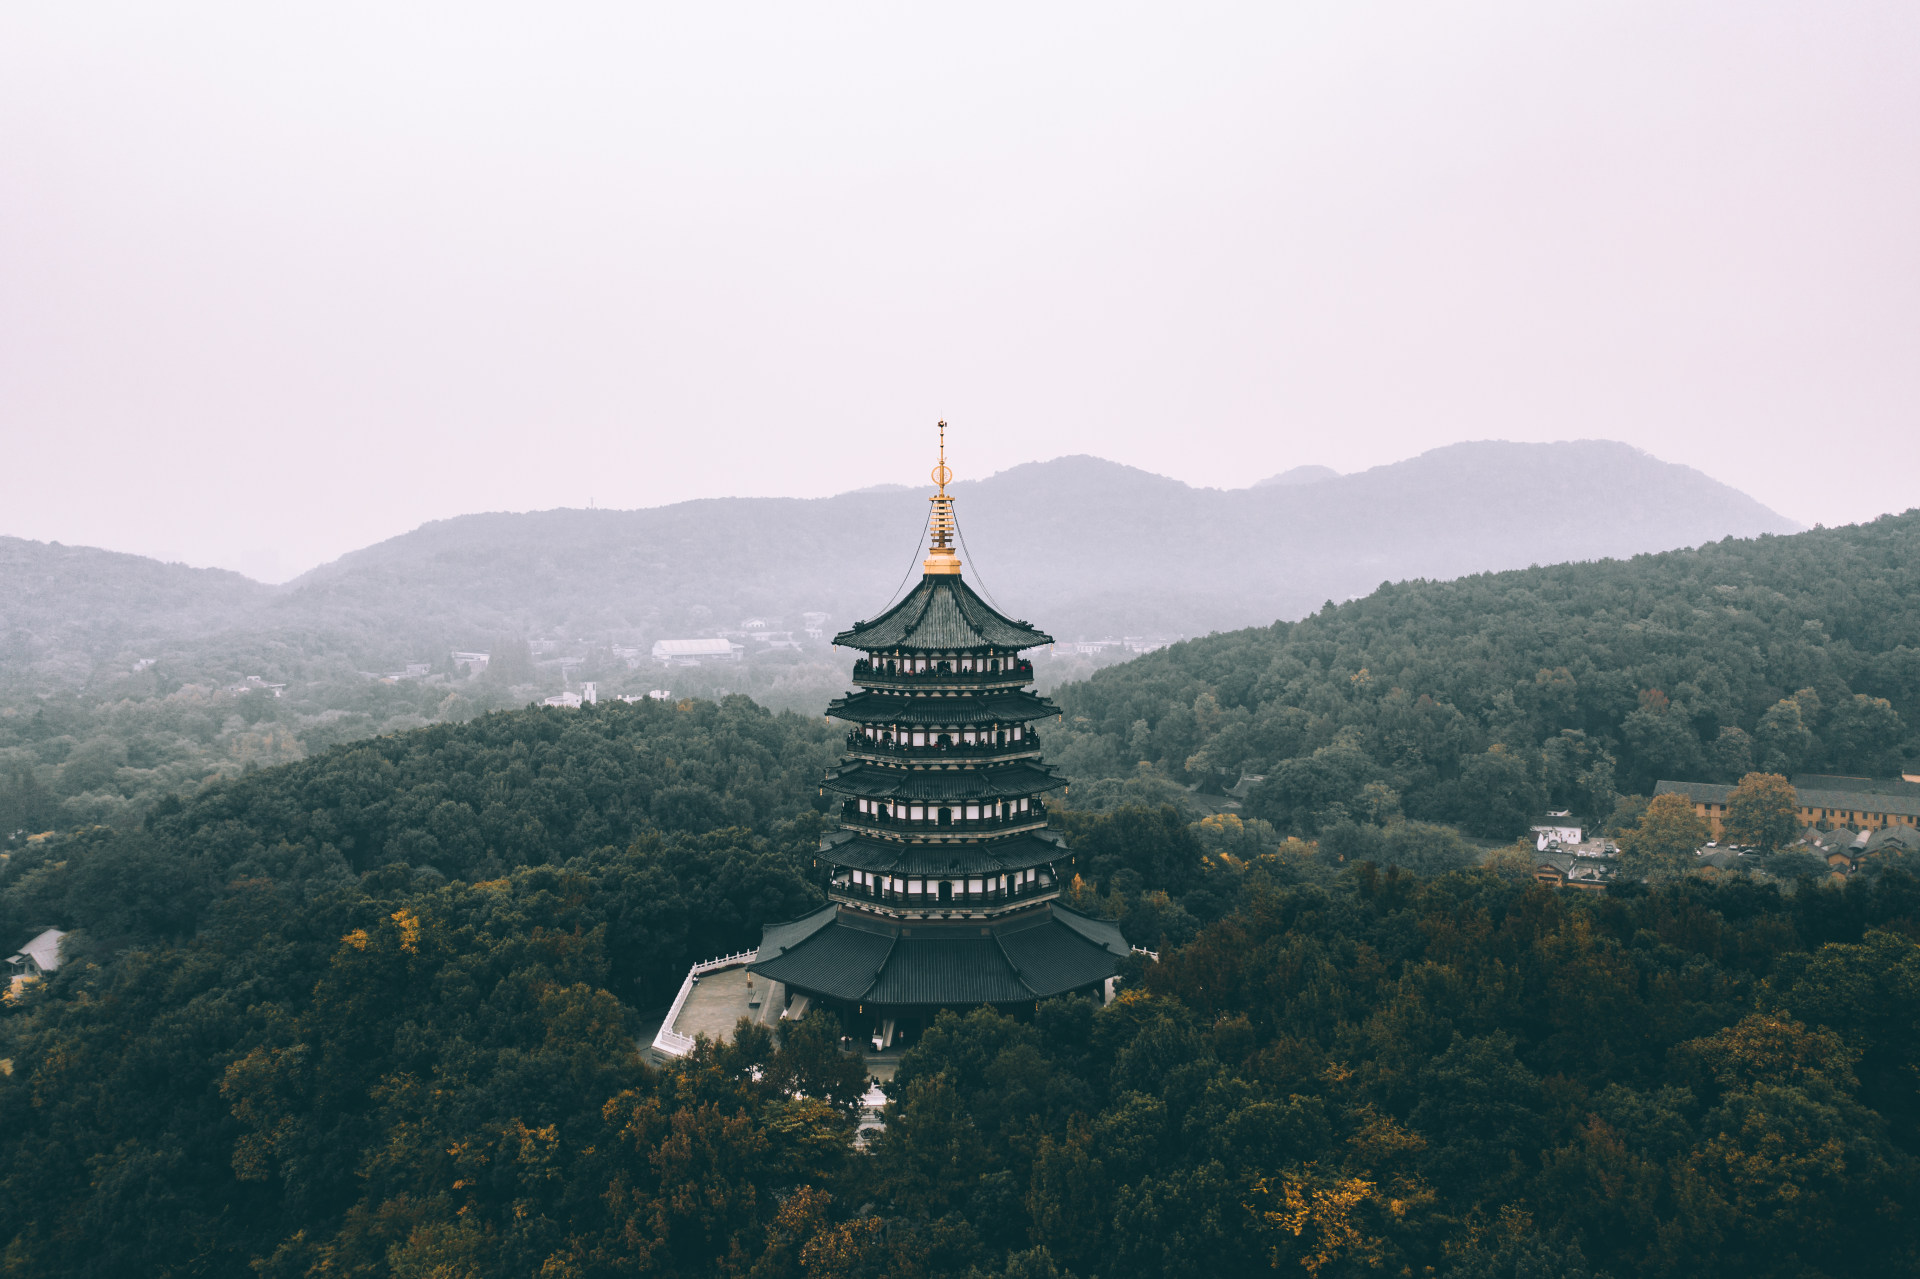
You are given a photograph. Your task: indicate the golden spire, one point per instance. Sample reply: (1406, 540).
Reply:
(942, 559)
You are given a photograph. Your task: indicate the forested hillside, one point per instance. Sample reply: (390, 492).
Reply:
(1481, 700)
(123, 680)
(377, 1013)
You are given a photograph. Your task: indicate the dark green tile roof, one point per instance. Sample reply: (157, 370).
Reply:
(959, 785)
(775, 938)
(1100, 931)
(937, 711)
(961, 857)
(1870, 785)
(841, 959)
(1053, 958)
(948, 970)
(1045, 952)
(940, 615)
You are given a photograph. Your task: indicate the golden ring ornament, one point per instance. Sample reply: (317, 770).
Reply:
(941, 474)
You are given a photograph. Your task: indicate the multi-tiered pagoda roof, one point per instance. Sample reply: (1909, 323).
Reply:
(943, 880)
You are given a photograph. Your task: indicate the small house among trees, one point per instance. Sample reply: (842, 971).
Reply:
(38, 958)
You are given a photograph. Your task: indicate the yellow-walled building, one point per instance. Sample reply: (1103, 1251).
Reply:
(1860, 803)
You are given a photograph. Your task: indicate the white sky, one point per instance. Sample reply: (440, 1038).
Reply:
(277, 281)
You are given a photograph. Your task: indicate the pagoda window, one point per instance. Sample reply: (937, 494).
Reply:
(1023, 805)
(1016, 732)
(919, 739)
(946, 817)
(916, 888)
(917, 813)
(976, 887)
(973, 812)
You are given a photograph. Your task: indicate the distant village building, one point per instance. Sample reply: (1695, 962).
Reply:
(1587, 866)
(254, 684)
(1238, 793)
(1125, 644)
(774, 639)
(1863, 803)
(38, 958)
(470, 664)
(692, 652)
(1846, 850)
(1555, 828)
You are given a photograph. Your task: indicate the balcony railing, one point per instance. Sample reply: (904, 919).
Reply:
(1036, 813)
(845, 890)
(951, 749)
(942, 672)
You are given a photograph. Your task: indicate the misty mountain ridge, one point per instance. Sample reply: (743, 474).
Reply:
(1082, 546)
(1298, 475)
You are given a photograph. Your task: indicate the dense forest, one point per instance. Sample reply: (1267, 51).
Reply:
(1480, 701)
(378, 1013)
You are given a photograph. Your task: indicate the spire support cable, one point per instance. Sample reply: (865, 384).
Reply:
(909, 573)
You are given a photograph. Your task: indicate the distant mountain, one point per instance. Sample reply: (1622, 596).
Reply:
(76, 604)
(1298, 475)
(1082, 546)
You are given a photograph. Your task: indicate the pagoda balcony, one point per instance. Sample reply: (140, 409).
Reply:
(1026, 744)
(850, 815)
(894, 894)
(1014, 672)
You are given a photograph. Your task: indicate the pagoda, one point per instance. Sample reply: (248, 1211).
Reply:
(943, 880)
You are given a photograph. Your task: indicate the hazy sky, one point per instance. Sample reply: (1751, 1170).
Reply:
(279, 281)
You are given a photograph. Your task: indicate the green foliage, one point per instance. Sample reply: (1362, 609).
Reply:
(376, 1012)
(1480, 701)
(1762, 811)
(266, 1057)
(1666, 836)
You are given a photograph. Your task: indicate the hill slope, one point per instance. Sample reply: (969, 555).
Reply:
(1479, 700)
(65, 607)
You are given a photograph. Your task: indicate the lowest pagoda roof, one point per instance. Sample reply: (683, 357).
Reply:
(847, 956)
(1011, 706)
(941, 615)
(904, 859)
